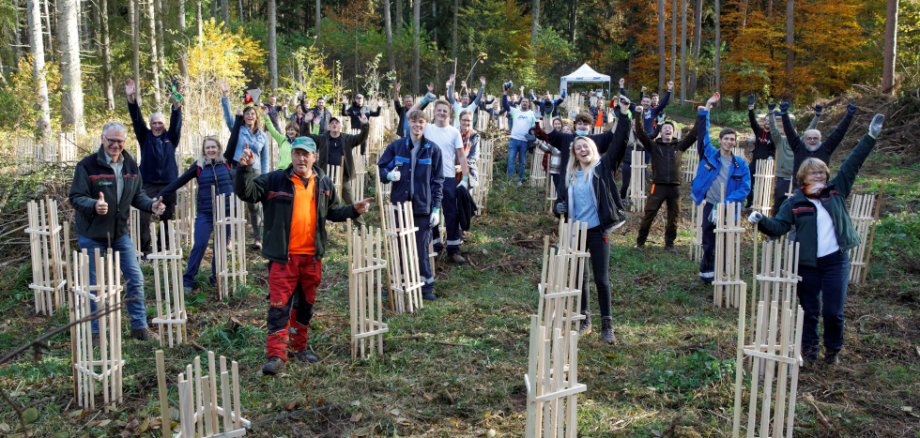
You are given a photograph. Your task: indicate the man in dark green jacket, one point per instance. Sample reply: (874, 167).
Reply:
(296, 201)
(105, 186)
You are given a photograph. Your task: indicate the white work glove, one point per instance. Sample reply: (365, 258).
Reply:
(713, 215)
(464, 183)
(755, 217)
(394, 175)
(435, 218)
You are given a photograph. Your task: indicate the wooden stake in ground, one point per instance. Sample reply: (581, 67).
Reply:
(166, 255)
(359, 173)
(101, 362)
(863, 214)
(763, 186)
(229, 244)
(209, 405)
(637, 194)
(405, 281)
(186, 210)
(48, 282)
(537, 172)
(727, 283)
(134, 229)
(367, 268)
(690, 164)
(335, 175)
(481, 191)
(696, 217)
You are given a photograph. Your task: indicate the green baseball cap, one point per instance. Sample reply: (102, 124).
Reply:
(304, 143)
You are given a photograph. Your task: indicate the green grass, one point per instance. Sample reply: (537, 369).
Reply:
(455, 369)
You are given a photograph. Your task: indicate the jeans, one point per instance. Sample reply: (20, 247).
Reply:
(823, 291)
(659, 194)
(254, 212)
(599, 248)
(130, 269)
(517, 150)
(451, 218)
(625, 175)
(204, 225)
(708, 262)
(170, 200)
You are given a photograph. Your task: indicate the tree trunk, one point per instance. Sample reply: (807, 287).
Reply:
(161, 46)
(697, 39)
(769, 8)
(225, 12)
(573, 18)
(717, 52)
(398, 22)
(453, 34)
(107, 85)
(535, 25)
(662, 51)
(182, 24)
(134, 18)
(388, 24)
(673, 40)
(416, 37)
(154, 54)
(242, 16)
(43, 124)
(273, 44)
(744, 9)
(48, 30)
(71, 81)
(891, 46)
(790, 43)
(198, 19)
(17, 36)
(319, 20)
(683, 51)
(84, 13)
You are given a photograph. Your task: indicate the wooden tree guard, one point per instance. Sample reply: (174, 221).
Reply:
(537, 173)
(777, 357)
(405, 281)
(335, 175)
(134, 230)
(203, 410)
(359, 173)
(167, 280)
(101, 362)
(229, 243)
(863, 214)
(690, 164)
(738, 151)
(551, 195)
(552, 374)
(366, 278)
(186, 210)
(763, 186)
(48, 283)
(777, 276)
(637, 181)
(484, 165)
(727, 284)
(696, 217)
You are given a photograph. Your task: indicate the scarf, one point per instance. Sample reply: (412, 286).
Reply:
(813, 190)
(465, 136)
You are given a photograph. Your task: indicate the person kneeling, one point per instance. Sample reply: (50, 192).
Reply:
(297, 202)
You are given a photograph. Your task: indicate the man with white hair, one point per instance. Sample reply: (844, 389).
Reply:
(157, 155)
(105, 186)
(810, 145)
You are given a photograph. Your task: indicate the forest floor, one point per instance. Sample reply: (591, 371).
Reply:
(456, 367)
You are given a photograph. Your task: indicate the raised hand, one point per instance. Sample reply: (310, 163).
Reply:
(851, 108)
(670, 85)
(784, 106)
(875, 127)
(224, 87)
(643, 88)
(771, 106)
(639, 108)
(396, 87)
(247, 158)
(363, 205)
(622, 82)
(430, 87)
(713, 100)
(308, 117)
(130, 89)
(819, 109)
(751, 101)
(482, 80)
(102, 207)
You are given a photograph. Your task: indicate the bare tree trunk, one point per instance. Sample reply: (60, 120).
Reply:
(273, 44)
(891, 46)
(416, 37)
(84, 13)
(398, 22)
(161, 46)
(16, 33)
(453, 33)
(134, 18)
(673, 40)
(535, 25)
(48, 30)
(388, 24)
(43, 124)
(107, 85)
(182, 24)
(71, 80)
(198, 19)
(769, 8)
(154, 54)
(662, 51)
(573, 17)
(717, 53)
(697, 40)
(319, 20)
(790, 42)
(183, 28)
(225, 12)
(242, 16)
(744, 8)
(683, 51)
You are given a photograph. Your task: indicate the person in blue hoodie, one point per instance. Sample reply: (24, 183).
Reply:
(718, 167)
(413, 166)
(213, 175)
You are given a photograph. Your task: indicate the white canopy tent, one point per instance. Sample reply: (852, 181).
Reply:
(584, 74)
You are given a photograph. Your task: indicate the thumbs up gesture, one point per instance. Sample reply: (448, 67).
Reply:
(247, 158)
(159, 207)
(102, 207)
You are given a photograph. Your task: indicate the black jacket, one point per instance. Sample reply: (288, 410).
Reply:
(348, 142)
(763, 141)
(158, 152)
(825, 149)
(666, 157)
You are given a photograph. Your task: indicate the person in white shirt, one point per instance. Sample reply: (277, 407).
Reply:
(522, 121)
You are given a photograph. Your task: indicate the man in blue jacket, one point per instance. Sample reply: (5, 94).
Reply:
(413, 166)
(157, 154)
(717, 168)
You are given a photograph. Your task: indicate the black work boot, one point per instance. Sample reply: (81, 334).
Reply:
(607, 331)
(831, 356)
(273, 366)
(306, 356)
(584, 328)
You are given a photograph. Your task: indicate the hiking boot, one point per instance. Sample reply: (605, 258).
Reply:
(607, 331)
(273, 366)
(520, 183)
(144, 334)
(429, 296)
(584, 328)
(830, 357)
(671, 249)
(305, 356)
(457, 259)
(437, 248)
(188, 291)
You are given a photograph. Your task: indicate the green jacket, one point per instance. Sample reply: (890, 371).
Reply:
(94, 175)
(284, 146)
(799, 211)
(785, 158)
(275, 191)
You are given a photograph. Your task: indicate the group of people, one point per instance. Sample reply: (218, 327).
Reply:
(433, 165)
